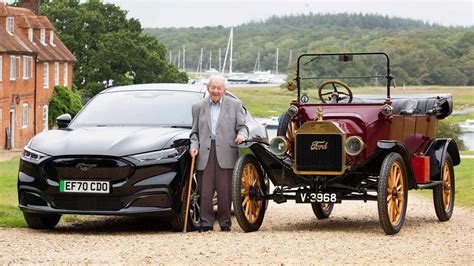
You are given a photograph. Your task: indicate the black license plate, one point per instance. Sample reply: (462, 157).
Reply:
(303, 196)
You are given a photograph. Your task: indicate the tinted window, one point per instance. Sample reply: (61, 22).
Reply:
(155, 108)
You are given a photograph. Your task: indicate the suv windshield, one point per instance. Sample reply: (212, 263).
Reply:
(138, 108)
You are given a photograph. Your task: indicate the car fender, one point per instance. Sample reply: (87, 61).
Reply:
(384, 147)
(437, 151)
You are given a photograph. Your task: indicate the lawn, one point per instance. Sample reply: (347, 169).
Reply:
(273, 100)
(11, 216)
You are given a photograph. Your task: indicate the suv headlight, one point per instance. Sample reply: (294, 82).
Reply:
(159, 155)
(354, 145)
(30, 154)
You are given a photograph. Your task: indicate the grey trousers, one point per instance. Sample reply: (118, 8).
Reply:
(213, 178)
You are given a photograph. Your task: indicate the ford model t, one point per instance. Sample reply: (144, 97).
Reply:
(349, 146)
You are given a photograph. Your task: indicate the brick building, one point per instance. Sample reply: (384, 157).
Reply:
(33, 60)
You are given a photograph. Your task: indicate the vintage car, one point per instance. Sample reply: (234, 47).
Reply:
(125, 153)
(349, 147)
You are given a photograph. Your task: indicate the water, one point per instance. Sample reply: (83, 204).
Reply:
(468, 139)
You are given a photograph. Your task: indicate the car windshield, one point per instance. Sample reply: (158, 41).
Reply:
(138, 108)
(362, 73)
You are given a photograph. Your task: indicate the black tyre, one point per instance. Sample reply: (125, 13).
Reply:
(283, 124)
(41, 221)
(392, 193)
(322, 210)
(194, 214)
(247, 181)
(443, 195)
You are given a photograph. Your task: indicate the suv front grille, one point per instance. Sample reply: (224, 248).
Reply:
(319, 153)
(87, 168)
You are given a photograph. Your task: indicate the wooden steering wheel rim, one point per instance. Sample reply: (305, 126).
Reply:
(327, 82)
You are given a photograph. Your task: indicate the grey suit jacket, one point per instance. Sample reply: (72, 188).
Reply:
(231, 122)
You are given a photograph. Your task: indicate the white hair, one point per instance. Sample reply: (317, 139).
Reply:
(217, 78)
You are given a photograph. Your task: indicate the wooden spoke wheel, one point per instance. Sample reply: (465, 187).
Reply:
(322, 210)
(443, 195)
(247, 183)
(392, 193)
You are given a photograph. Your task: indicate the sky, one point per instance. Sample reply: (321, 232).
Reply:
(200, 13)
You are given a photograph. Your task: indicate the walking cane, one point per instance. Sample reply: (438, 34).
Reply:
(191, 172)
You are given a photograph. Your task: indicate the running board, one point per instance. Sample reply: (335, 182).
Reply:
(429, 185)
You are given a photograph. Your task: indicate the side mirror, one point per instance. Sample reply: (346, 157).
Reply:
(63, 120)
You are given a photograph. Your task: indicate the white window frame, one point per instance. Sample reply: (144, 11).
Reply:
(56, 74)
(10, 25)
(43, 36)
(45, 118)
(45, 75)
(27, 67)
(13, 67)
(65, 75)
(1, 68)
(51, 38)
(24, 116)
(30, 34)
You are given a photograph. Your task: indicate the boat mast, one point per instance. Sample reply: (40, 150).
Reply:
(179, 58)
(291, 58)
(199, 67)
(220, 63)
(231, 46)
(257, 63)
(276, 63)
(227, 51)
(184, 59)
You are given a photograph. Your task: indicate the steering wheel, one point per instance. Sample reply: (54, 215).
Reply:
(334, 94)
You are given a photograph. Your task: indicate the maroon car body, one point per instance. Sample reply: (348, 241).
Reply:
(349, 148)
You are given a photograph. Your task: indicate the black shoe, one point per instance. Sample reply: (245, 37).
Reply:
(203, 229)
(225, 229)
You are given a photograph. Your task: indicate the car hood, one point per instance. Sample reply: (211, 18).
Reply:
(112, 141)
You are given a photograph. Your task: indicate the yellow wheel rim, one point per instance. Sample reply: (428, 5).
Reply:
(447, 179)
(325, 207)
(395, 192)
(250, 180)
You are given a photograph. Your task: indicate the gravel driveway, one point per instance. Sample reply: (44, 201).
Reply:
(290, 234)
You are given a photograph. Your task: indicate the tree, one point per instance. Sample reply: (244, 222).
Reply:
(111, 49)
(63, 101)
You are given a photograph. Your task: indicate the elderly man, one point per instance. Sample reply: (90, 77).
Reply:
(218, 127)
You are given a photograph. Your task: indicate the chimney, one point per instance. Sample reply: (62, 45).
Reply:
(33, 5)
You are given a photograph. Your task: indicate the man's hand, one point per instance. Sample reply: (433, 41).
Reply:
(193, 152)
(239, 139)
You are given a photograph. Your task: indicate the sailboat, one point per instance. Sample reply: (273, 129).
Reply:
(210, 70)
(260, 77)
(233, 77)
(200, 80)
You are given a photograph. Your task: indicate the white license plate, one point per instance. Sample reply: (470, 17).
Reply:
(313, 197)
(81, 186)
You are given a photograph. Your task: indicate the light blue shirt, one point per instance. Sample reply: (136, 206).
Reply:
(215, 111)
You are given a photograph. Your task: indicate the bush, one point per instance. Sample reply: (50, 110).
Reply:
(63, 101)
(452, 131)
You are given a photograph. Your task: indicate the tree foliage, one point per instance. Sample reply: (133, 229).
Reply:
(110, 48)
(421, 53)
(63, 101)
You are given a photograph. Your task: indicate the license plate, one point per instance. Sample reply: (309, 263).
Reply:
(317, 197)
(78, 186)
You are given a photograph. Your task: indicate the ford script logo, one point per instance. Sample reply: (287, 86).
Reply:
(319, 145)
(84, 166)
